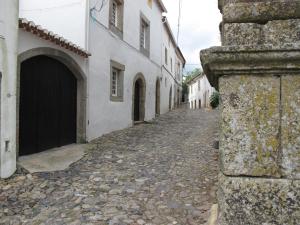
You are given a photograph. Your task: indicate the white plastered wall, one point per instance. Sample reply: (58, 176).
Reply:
(197, 95)
(8, 69)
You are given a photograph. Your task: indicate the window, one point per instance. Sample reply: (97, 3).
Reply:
(145, 36)
(178, 71)
(116, 81)
(166, 56)
(171, 60)
(191, 89)
(116, 17)
(199, 85)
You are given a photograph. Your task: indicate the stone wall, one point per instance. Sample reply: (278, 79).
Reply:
(257, 71)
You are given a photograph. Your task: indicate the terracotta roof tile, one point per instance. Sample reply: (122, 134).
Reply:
(37, 30)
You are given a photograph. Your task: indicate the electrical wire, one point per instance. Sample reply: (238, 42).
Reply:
(103, 3)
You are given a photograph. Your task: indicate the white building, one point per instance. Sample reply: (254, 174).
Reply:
(200, 91)
(128, 69)
(8, 77)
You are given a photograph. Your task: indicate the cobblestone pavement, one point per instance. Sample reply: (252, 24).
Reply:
(162, 172)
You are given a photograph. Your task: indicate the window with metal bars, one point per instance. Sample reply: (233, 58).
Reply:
(143, 34)
(114, 82)
(114, 15)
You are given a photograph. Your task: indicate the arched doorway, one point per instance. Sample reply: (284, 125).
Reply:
(157, 97)
(170, 99)
(139, 93)
(178, 97)
(49, 73)
(48, 105)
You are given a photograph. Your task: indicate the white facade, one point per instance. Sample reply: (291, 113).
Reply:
(8, 77)
(172, 67)
(87, 23)
(67, 18)
(103, 115)
(200, 91)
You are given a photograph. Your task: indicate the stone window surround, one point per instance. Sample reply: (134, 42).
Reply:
(120, 82)
(118, 30)
(166, 56)
(145, 51)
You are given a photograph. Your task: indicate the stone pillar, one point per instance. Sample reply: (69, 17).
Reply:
(9, 12)
(257, 71)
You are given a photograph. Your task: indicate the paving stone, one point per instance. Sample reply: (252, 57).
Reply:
(168, 175)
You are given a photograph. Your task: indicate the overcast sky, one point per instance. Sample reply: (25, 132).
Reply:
(199, 26)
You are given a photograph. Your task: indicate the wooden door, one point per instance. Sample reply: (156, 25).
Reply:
(48, 105)
(137, 100)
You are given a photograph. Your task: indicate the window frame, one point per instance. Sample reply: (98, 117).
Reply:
(116, 23)
(145, 48)
(119, 68)
(115, 82)
(166, 56)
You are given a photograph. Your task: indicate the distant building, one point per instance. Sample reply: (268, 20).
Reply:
(200, 91)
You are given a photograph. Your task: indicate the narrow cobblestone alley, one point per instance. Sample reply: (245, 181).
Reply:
(159, 173)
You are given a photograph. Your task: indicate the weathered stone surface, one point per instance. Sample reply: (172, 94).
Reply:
(251, 60)
(275, 32)
(291, 126)
(259, 11)
(250, 124)
(254, 201)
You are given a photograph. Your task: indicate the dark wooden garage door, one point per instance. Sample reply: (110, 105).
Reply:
(48, 96)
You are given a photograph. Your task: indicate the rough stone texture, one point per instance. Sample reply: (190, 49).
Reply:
(259, 11)
(258, 73)
(250, 123)
(250, 59)
(274, 32)
(254, 201)
(291, 126)
(160, 173)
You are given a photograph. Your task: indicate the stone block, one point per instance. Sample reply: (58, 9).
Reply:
(258, 11)
(258, 201)
(291, 126)
(274, 33)
(250, 125)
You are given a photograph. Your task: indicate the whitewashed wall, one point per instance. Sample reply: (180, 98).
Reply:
(169, 78)
(71, 19)
(8, 69)
(104, 115)
(66, 18)
(195, 94)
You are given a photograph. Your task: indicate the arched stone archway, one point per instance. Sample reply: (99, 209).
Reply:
(78, 82)
(170, 99)
(157, 97)
(138, 98)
